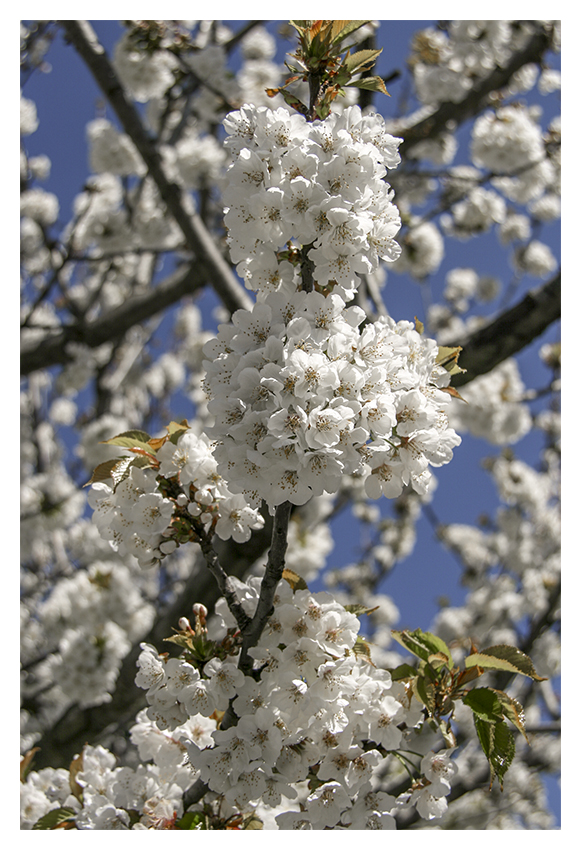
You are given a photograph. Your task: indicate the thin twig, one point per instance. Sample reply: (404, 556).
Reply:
(198, 239)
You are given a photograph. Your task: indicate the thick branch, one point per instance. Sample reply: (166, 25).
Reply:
(510, 332)
(477, 98)
(197, 237)
(52, 349)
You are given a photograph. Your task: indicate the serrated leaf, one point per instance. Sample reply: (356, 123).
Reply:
(76, 767)
(513, 711)
(361, 647)
(55, 817)
(26, 762)
(426, 693)
(358, 610)
(448, 359)
(336, 28)
(118, 469)
(419, 325)
(104, 471)
(504, 657)
(453, 392)
(403, 671)
(370, 84)
(484, 704)
(498, 745)
(422, 644)
(346, 30)
(296, 581)
(130, 439)
(358, 61)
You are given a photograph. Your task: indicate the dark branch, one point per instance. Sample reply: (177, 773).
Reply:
(455, 113)
(197, 237)
(510, 332)
(52, 349)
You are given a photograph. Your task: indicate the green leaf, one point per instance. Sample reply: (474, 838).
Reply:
(130, 440)
(176, 430)
(370, 84)
(504, 657)
(404, 671)
(361, 647)
(117, 469)
(105, 471)
(498, 745)
(296, 581)
(513, 711)
(426, 693)
(360, 60)
(55, 817)
(484, 704)
(423, 644)
(294, 102)
(192, 820)
(358, 610)
(26, 763)
(448, 358)
(351, 26)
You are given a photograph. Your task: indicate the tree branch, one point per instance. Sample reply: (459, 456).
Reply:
(52, 349)
(477, 98)
(510, 332)
(197, 237)
(272, 576)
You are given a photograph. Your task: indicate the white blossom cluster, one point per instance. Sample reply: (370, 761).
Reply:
(525, 540)
(316, 703)
(302, 397)
(446, 64)
(494, 406)
(111, 797)
(88, 623)
(136, 518)
(320, 185)
(506, 140)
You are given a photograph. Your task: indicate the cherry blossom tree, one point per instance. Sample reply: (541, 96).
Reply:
(215, 385)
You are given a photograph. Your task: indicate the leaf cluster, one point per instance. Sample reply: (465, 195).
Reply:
(143, 448)
(438, 683)
(324, 61)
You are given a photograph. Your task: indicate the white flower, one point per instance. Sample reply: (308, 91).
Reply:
(437, 767)
(325, 805)
(151, 674)
(224, 681)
